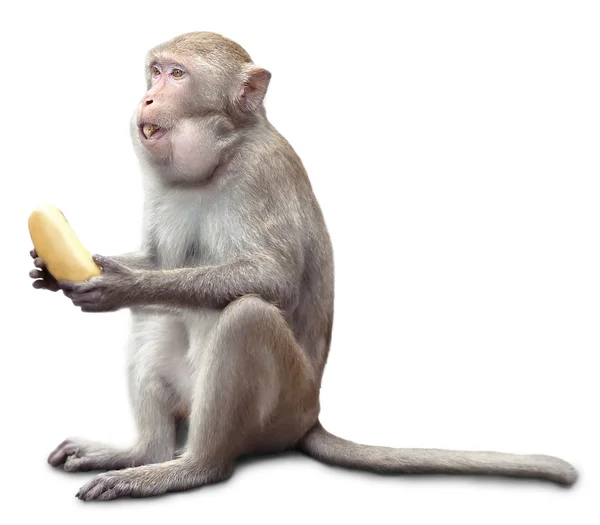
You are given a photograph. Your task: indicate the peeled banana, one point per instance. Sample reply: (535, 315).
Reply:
(56, 243)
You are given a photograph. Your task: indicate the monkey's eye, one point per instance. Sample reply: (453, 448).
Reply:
(177, 73)
(155, 71)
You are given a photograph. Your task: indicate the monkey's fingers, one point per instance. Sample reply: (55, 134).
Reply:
(39, 263)
(45, 284)
(33, 254)
(43, 278)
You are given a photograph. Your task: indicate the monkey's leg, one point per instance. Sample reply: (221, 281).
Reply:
(158, 380)
(254, 392)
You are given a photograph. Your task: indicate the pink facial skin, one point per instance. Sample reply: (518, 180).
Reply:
(186, 147)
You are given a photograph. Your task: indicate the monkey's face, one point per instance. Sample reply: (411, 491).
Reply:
(167, 101)
(200, 89)
(183, 111)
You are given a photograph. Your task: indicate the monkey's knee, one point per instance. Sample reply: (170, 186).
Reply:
(251, 313)
(255, 333)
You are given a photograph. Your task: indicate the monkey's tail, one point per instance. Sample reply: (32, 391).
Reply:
(330, 449)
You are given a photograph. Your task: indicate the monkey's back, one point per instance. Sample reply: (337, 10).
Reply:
(312, 319)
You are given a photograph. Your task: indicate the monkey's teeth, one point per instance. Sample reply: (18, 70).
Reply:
(149, 130)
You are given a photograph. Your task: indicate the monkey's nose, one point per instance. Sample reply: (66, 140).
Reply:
(148, 101)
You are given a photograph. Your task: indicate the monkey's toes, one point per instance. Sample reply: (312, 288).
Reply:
(79, 455)
(60, 454)
(104, 487)
(114, 484)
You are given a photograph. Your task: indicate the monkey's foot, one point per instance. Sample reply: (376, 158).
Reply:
(79, 455)
(151, 480)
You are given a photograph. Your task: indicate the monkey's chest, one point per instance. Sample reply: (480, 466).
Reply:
(193, 233)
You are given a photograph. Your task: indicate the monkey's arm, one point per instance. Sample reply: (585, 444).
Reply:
(216, 286)
(207, 286)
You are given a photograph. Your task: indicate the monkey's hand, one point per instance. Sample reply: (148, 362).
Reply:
(43, 278)
(111, 291)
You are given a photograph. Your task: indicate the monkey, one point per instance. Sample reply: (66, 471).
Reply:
(231, 295)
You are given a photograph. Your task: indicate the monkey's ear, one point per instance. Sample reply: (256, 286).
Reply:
(254, 87)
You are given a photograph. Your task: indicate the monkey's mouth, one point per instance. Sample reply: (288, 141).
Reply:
(151, 131)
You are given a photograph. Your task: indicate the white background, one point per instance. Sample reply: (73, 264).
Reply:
(453, 147)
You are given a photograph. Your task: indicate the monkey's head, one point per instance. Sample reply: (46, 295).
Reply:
(201, 88)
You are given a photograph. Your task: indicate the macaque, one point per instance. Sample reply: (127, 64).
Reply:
(231, 295)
